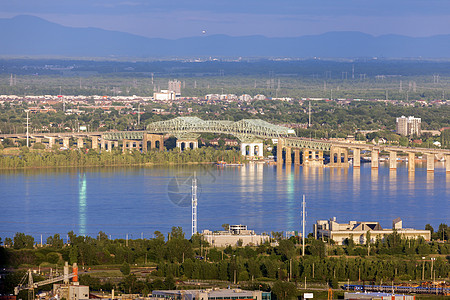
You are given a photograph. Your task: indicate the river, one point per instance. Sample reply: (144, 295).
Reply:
(138, 201)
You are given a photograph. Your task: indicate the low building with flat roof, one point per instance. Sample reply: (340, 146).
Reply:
(236, 235)
(211, 294)
(339, 232)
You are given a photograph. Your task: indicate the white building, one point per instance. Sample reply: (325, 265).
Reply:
(245, 97)
(165, 95)
(339, 232)
(236, 235)
(408, 125)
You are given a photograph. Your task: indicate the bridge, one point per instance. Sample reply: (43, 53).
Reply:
(312, 153)
(251, 134)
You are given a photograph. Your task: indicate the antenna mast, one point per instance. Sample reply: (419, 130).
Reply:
(194, 204)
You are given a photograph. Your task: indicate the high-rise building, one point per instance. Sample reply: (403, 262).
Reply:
(175, 86)
(408, 125)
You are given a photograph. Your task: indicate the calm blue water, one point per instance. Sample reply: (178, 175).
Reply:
(138, 201)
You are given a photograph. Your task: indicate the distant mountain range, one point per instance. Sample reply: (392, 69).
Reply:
(33, 36)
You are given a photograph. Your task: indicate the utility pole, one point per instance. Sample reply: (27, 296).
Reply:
(423, 269)
(290, 269)
(309, 119)
(139, 114)
(432, 261)
(303, 225)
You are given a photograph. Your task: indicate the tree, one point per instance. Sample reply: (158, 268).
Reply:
(286, 248)
(169, 283)
(317, 248)
(102, 236)
(55, 241)
(284, 290)
(226, 226)
(125, 269)
(21, 241)
(8, 242)
(176, 233)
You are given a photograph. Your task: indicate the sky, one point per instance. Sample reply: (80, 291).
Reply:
(174, 19)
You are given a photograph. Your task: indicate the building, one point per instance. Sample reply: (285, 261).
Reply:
(211, 294)
(175, 86)
(165, 95)
(376, 296)
(236, 235)
(339, 232)
(408, 126)
(71, 292)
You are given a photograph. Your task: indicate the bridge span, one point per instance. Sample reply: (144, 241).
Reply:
(251, 134)
(313, 153)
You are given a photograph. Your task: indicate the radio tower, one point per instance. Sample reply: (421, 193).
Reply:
(194, 204)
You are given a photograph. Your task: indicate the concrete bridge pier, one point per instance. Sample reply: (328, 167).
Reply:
(392, 160)
(125, 145)
(66, 143)
(38, 140)
(340, 155)
(102, 144)
(94, 142)
(411, 162)
(51, 141)
(116, 145)
(356, 158)
(447, 163)
(80, 143)
(305, 154)
(280, 152)
(288, 156)
(296, 157)
(430, 162)
(374, 158)
(320, 158)
(153, 141)
(187, 144)
(109, 143)
(345, 152)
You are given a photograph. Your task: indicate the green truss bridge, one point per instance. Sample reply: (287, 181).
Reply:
(244, 129)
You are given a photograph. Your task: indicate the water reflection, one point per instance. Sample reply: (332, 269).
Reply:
(291, 200)
(82, 204)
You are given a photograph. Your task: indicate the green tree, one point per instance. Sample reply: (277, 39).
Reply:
(284, 290)
(125, 269)
(21, 241)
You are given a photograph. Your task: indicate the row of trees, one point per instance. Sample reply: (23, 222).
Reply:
(79, 158)
(194, 258)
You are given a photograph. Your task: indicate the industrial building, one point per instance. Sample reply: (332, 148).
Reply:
(211, 294)
(408, 125)
(236, 235)
(339, 232)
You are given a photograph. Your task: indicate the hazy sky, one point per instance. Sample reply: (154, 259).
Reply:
(273, 18)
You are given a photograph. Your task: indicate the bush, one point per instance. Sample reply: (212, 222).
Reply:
(125, 269)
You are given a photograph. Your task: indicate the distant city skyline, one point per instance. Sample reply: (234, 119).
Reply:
(285, 18)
